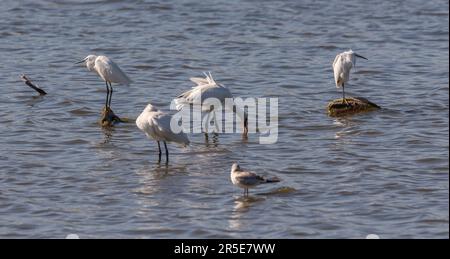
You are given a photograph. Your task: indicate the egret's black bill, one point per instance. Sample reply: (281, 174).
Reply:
(359, 56)
(79, 62)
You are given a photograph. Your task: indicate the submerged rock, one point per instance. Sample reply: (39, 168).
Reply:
(109, 118)
(354, 105)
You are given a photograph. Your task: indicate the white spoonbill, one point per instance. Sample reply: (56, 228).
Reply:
(109, 71)
(341, 67)
(208, 88)
(156, 125)
(246, 180)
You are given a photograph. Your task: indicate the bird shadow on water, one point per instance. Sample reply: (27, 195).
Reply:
(346, 127)
(104, 147)
(283, 190)
(243, 204)
(151, 176)
(213, 140)
(161, 169)
(344, 121)
(107, 134)
(154, 171)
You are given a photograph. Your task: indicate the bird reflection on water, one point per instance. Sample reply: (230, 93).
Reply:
(107, 134)
(212, 141)
(242, 205)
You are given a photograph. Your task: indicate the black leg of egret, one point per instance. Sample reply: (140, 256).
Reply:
(167, 153)
(107, 94)
(159, 148)
(343, 94)
(110, 94)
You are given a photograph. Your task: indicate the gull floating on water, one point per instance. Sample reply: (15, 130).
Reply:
(208, 88)
(156, 125)
(246, 180)
(342, 65)
(109, 71)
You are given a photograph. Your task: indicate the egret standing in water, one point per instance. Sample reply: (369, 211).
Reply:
(341, 67)
(208, 88)
(246, 180)
(156, 125)
(109, 71)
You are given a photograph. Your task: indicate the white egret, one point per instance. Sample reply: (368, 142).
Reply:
(208, 88)
(156, 125)
(109, 71)
(246, 180)
(341, 67)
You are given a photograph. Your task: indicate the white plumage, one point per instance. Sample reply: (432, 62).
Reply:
(109, 71)
(246, 180)
(342, 65)
(205, 88)
(200, 94)
(156, 125)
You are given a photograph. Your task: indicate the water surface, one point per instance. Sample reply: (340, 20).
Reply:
(385, 172)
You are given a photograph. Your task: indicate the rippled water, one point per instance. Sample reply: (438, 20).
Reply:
(385, 172)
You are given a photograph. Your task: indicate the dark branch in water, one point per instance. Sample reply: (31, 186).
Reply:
(109, 118)
(30, 84)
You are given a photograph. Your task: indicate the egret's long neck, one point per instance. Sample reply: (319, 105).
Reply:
(90, 64)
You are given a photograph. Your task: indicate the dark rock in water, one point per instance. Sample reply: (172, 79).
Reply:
(353, 105)
(109, 118)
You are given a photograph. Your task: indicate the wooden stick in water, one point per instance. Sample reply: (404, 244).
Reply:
(30, 84)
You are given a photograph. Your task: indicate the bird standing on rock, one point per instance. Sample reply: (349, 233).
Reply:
(342, 65)
(109, 71)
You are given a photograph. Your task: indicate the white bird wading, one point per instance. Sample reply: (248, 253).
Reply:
(156, 125)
